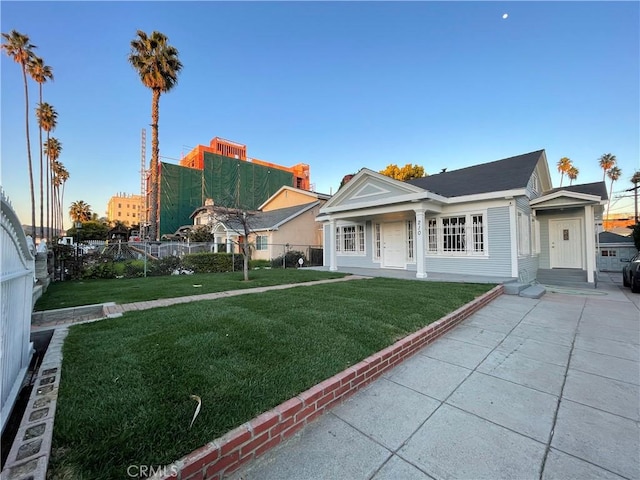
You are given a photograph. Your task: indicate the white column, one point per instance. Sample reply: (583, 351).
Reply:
(331, 245)
(228, 243)
(420, 270)
(590, 241)
(513, 231)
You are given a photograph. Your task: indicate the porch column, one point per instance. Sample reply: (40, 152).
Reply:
(228, 243)
(331, 245)
(420, 270)
(590, 243)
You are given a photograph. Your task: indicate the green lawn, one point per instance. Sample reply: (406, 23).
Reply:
(126, 382)
(128, 290)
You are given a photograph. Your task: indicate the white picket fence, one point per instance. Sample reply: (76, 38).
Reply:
(17, 277)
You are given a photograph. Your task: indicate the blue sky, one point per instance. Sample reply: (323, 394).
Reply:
(337, 85)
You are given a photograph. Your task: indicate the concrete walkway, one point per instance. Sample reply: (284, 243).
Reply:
(523, 389)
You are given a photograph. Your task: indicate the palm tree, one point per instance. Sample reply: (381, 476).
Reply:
(572, 174)
(607, 162)
(158, 65)
(40, 73)
(564, 165)
(47, 119)
(19, 48)
(63, 176)
(53, 149)
(80, 211)
(613, 174)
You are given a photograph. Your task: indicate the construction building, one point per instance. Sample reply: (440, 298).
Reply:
(126, 208)
(221, 171)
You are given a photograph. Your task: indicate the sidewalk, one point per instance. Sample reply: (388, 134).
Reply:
(539, 389)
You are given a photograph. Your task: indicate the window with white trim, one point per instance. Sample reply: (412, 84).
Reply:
(457, 235)
(410, 242)
(454, 234)
(524, 237)
(432, 229)
(350, 239)
(535, 236)
(262, 241)
(376, 241)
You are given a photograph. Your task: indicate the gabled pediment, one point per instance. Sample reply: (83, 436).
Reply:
(369, 187)
(565, 198)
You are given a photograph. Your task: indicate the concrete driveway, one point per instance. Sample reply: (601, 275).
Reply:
(523, 389)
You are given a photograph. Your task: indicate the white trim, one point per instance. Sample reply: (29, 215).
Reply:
(377, 191)
(356, 181)
(568, 194)
(513, 233)
(504, 194)
(590, 241)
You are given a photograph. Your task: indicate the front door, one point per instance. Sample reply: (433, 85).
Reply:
(393, 244)
(565, 243)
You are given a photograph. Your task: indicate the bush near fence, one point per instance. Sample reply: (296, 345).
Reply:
(212, 262)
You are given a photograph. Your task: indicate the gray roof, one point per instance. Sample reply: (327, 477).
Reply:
(500, 175)
(596, 188)
(269, 220)
(610, 237)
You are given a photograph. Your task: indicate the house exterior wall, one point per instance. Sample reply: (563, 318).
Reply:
(300, 233)
(544, 217)
(498, 260)
(288, 198)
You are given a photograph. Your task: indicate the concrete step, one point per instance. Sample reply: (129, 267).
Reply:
(514, 288)
(533, 291)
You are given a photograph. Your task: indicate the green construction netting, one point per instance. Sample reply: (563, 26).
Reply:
(229, 182)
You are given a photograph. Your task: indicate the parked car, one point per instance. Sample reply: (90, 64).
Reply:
(631, 274)
(180, 234)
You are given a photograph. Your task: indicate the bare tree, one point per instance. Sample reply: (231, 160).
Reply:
(240, 221)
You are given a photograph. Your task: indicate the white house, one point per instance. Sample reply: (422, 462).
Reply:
(500, 219)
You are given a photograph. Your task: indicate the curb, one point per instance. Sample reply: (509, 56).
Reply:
(250, 440)
(29, 455)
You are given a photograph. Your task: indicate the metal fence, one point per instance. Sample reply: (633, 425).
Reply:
(17, 276)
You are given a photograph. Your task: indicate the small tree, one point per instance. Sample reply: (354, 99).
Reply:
(240, 221)
(201, 233)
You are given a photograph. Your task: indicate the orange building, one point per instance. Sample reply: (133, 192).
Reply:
(228, 148)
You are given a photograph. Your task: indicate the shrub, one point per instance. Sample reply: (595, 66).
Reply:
(102, 269)
(290, 260)
(254, 264)
(134, 269)
(164, 266)
(212, 262)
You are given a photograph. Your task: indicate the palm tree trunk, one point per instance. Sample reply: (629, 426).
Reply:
(49, 180)
(26, 121)
(609, 203)
(41, 176)
(61, 209)
(155, 152)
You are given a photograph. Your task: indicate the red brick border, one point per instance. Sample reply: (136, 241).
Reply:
(227, 453)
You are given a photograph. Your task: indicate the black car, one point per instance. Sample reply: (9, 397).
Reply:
(631, 274)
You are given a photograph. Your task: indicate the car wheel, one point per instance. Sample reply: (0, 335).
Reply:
(635, 284)
(625, 282)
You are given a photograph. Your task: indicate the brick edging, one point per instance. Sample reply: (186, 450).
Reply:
(250, 440)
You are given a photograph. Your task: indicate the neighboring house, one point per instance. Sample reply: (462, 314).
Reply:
(615, 251)
(291, 225)
(501, 219)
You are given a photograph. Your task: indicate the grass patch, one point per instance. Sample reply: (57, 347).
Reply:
(128, 290)
(125, 387)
